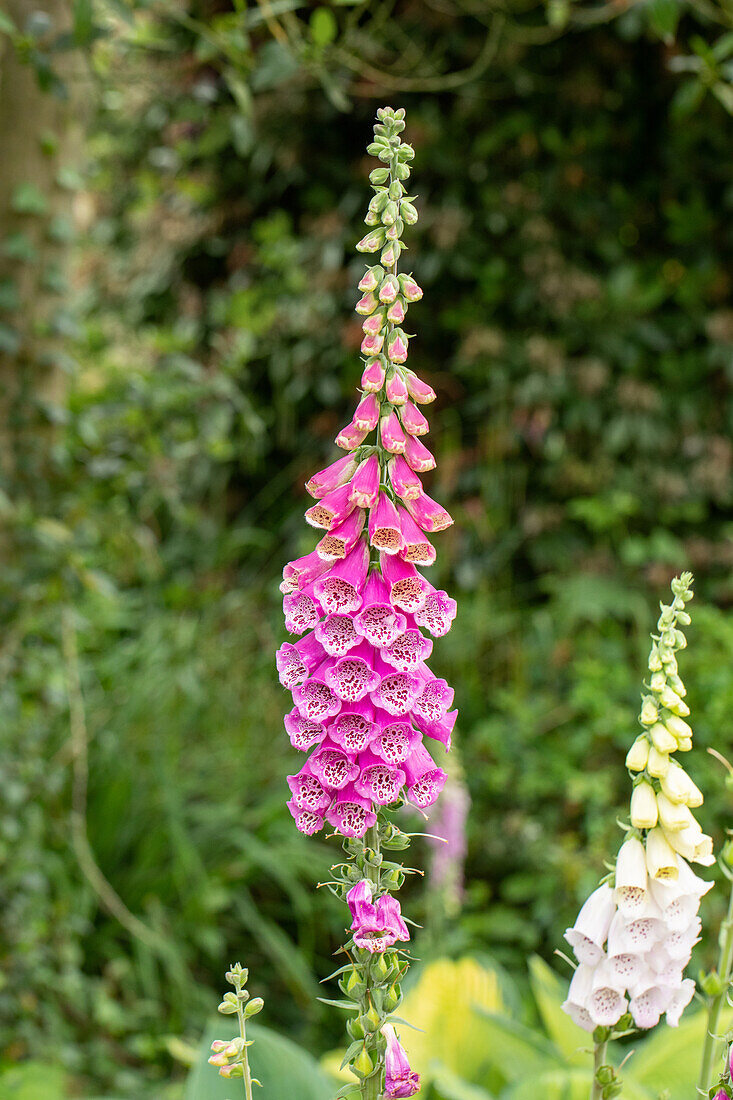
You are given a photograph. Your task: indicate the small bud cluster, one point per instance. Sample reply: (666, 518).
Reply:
(230, 1055)
(634, 936)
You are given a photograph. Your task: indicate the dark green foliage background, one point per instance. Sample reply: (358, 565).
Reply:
(575, 248)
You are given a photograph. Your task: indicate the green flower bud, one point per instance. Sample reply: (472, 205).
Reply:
(408, 212)
(381, 969)
(255, 1005)
(362, 1064)
(379, 175)
(355, 1028)
(712, 984)
(605, 1075)
(371, 1019)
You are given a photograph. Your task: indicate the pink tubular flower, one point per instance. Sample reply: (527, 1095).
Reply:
(367, 412)
(354, 728)
(372, 343)
(404, 480)
(350, 437)
(351, 813)
(294, 662)
(367, 304)
(315, 699)
(332, 509)
(416, 547)
(397, 692)
(428, 514)
(308, 791)
(376, 925)
(332, 766)
(409, 288)
(440, 730)
(396, 312)
(378, 621)
(407, 589)
(303, 732)
(341, 540)
(400, 1079)
(352, 677)
(385, 532)
(301, 611)
(302, 571)
(306, 821)
(408, 651)
(337, 635)
(339, 591)
(393, 438)
(371, 278)
(437, 613)
(435, 699)
(388, 290)
(424, 780)
(413, 420)
(378, 780)
(395, 741)
(335, 475)
(418, 390)
(372, 379)
(364, 488)
(397, 346)
(418, 456)
(395, 390)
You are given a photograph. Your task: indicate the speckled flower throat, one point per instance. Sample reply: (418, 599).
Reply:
(365, 702)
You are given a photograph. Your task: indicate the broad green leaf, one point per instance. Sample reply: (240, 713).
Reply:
(670, 1058)
(443, 1003)
(448, 1086)
(549, 993)
(516, 1050)
(285, 1070)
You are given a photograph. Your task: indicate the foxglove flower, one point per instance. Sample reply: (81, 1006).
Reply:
(400, 1080)
(634, 936)
(365, 702)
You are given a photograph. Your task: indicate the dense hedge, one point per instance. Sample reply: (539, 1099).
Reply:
(575, 247)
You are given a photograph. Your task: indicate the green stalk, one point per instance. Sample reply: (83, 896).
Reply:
(711, 1050)
(371, 1087)
(247, 1077)
(600, 1052)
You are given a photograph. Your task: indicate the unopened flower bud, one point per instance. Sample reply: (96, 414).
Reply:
(649, 712)
(638, 754)
(396, 390)
(396, 313)
(388, 289)
(644, 812)
(255, 1005)
(661, 738)
(372, 379)
(372, 242)
(371, 1018)
(371, 279)
(367, 304)
(678, 727)
(410, 290)
(408, 212)
(390, 254)
(362, 1064)
(237, 1070)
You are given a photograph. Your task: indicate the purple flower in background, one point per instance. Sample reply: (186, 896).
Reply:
(449, 853)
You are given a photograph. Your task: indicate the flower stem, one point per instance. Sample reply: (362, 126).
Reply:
(600, 1050)
(711, 1049)
(371, 1086)
(247, 1077)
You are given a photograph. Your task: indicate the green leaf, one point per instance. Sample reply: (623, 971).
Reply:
(516, 1050)
(549, 993)
(7, 26)
(670, 1058)
(323, 27)
(285, 1070)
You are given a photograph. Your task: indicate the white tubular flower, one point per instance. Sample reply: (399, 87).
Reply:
(631, 879)
(644, 812)
(692, 843)
(634, 937)
(627, 968)
(679, 945)
(638, 754)
(662, 739)
(588, 934)
(606, 1006)
(678, 787)
(576, 1005)
(648, 1005)
(673, 815)
(680, 1000)
(658, 763)
(661, 861)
